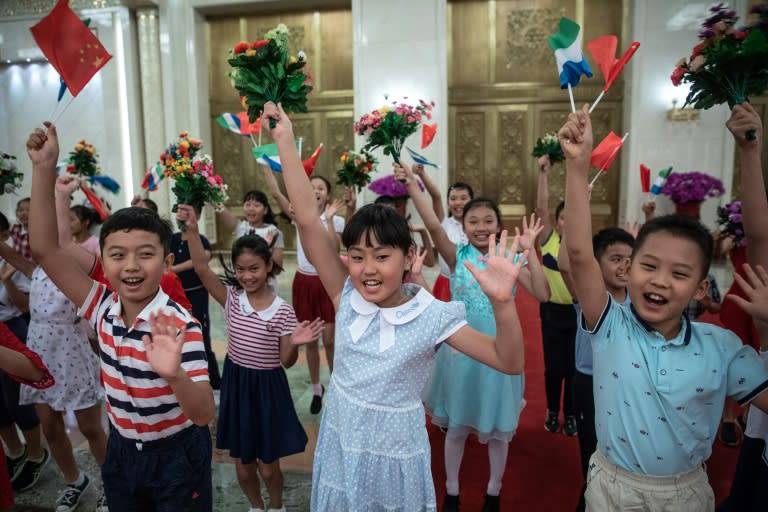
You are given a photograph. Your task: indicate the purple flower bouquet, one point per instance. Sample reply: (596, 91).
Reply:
(692, 187)
(389, 186)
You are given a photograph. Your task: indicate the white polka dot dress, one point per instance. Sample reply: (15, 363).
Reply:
(373, 452)
(59, 336)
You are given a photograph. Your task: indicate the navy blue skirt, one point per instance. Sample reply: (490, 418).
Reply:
(257, 419)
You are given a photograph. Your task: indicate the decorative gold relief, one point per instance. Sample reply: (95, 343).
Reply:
(513, 151)
(468, 162)
(526, 35)
(340, 134)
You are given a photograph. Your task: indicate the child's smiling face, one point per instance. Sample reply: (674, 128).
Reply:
(377, 270)
(665, 274)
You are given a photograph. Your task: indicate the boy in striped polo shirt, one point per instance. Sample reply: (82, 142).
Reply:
(153, 363)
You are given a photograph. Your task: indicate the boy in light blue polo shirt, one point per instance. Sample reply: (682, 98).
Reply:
(660, 380)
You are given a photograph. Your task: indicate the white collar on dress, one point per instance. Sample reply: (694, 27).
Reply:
(388, 317)
(264, 314)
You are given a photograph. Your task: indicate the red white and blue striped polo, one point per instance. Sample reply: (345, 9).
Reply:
(140, 404)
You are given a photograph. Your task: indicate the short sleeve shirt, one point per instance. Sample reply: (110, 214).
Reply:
(658, 402)
(303, 264)
(243, 228)
(141, 405)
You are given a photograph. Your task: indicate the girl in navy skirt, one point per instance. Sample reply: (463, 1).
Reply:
(257, 422)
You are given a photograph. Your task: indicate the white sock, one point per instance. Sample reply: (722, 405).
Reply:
(80, 480)
(317, 389)
(454, 453)
(281, 509)
(255, 509)
(497, 459)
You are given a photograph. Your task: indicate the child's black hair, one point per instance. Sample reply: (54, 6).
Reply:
(150, 205)
(559, 209)
(86, 214)
(141, 219)
(460, 185)
(609, 236)
(379, 221)
(249, 243)
(324, 180)
(22, 201)
(261, 197)
(386, 201)
(4, 224)
(482, 202)
(680, 226)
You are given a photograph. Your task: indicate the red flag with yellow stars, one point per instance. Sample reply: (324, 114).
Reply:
(70, 46)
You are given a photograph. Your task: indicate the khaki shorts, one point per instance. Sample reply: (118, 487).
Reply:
(611, 488)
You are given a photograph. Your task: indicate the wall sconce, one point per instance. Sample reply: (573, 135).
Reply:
(682, 114)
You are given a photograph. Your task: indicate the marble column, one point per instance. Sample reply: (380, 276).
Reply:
(400, 49)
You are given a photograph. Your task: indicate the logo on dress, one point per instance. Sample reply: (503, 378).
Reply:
(402, 313)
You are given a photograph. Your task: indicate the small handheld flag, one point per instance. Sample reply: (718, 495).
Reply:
(603, 50)
(428, 132)
(645, 178)
(309, 163)
(238, 123)
(605, 153)
(419, 159)
(661, 179)
(571, 64)
(152, 177)
(97, 204)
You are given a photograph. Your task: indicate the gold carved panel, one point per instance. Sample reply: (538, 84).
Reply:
(512, 160)
(524, 54)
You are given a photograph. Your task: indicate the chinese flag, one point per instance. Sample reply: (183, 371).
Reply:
(309, 163)
(70, 46)
(605, 152)
(603, 50)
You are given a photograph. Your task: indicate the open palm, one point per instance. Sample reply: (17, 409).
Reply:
(498, 278)
(307, 332)
(163, 348)
(531, 231)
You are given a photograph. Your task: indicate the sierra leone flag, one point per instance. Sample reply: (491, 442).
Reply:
(566, 44)
(238, 123)
(152, 177)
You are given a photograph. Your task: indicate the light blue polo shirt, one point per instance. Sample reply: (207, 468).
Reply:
(658, 403)
(584, 342)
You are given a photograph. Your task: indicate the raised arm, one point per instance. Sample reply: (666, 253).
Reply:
(350, 204)
(61, 267)
(505, 352)
(18, 261)
(432, 190)
(576, 139)
(274, 190)
(542, 197)
(228, 219)
(532, 275)
(564, 266)
(65, 187)
(445, 247)
(314, 240)
(199, 258)
(754, 204)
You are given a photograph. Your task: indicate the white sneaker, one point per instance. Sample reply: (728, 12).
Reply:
(69, 499)
(101, 504)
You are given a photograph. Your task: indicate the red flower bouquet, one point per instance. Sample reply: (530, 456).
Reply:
(82, 162)
(729, 64)
(265, 71)
(389, 126)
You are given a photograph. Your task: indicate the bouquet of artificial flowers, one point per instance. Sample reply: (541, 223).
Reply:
(264, 71)
(389, 186)
(388, 127)
(10, 177)
(692, 187)
(730, 221)
(729, 64)
(549, 145)
(356, 169)
(82, 163)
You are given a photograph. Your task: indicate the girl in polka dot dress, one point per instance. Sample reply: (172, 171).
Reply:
(373, 451)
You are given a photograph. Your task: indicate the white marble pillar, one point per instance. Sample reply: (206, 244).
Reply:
(400, 49)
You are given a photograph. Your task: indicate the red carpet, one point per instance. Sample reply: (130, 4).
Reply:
(543, 469)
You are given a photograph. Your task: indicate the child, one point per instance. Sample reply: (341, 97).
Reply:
(426, 242)
(310, 299)
(259, 220)
(23, 366)
(257, 421)
(62, 340)
(81, 220)
(748, 491)
(153, 362)
(464, 395)
(373, 451)
(195, 291)
(660, 379)
(459, 194)
(612, 249)
(19, 231)
(558, 327)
